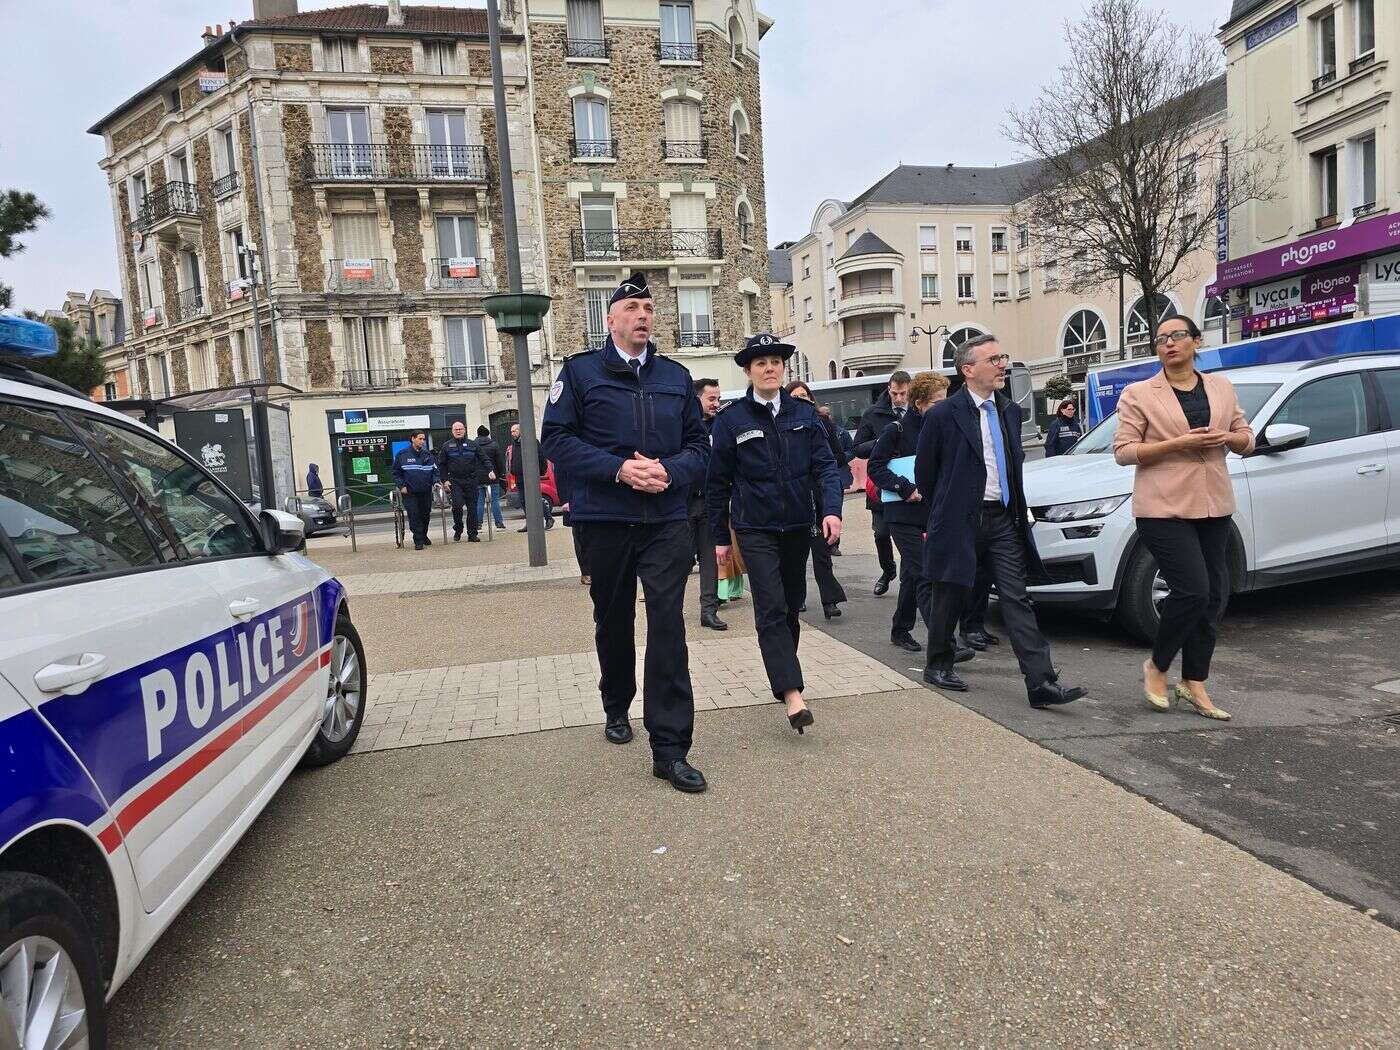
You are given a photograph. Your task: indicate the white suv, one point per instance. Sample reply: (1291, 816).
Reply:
(166, 660)
(1319, 496)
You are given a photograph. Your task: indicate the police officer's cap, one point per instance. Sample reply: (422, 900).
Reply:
(761, 345)
(635, 287)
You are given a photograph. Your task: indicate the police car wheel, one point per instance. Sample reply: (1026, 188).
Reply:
(51, 990)
(345, 698)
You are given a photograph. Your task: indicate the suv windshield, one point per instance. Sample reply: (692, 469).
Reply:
(1099, 441)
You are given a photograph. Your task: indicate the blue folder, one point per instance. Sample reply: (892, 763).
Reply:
(904, 467)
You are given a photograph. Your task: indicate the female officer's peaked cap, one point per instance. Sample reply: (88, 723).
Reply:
(761, 345)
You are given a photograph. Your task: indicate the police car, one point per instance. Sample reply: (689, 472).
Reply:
(167, 658)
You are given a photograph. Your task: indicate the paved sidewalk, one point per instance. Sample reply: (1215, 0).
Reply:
(426, 580)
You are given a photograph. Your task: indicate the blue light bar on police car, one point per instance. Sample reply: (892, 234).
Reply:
(19, 335)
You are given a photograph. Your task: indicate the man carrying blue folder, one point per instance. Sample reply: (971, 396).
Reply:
(892, 469)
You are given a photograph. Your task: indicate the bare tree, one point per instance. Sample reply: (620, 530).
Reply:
(1135, 159)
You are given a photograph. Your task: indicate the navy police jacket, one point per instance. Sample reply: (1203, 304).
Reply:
(600, 412)
(459, 461)
(765, 469)
(900, 438)
(415, 471)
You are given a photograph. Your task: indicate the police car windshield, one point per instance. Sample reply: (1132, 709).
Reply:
(1099, 441)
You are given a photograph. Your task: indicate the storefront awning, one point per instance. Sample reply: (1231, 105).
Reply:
(1320, 249)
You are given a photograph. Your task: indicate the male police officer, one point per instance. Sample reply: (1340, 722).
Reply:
(707, 390)
(624, 425)
(415, 471)
(459, 460)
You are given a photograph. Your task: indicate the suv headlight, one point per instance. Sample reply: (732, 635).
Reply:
(1094, 508)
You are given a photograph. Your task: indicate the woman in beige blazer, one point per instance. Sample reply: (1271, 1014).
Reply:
(1176, 428)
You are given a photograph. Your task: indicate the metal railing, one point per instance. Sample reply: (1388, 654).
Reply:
(669, 51)
(167, 201)
(1328, 76)
(1362, 61)
(372, 379)
(646, 244)
(683, 149)
(862, 338)
(358, 278)
(336, 162)
(606, 148)
(226, 185)
(465, 374)
(580, 48)
(187, 305)
(1363, 209)
(440, 278)
(861, 293)
(697, 337)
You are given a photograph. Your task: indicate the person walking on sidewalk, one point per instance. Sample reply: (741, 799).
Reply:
(459, 462)
(517, 465)
(891, 406)
(828, 586)
(770, 453)
(968, 466)
(707, 390)
(415, 473)
(892, 468)
(490, 475)
(1064, 429)
(623, 423)
(1175, 430)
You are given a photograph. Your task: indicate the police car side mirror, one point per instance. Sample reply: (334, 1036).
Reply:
(281, 532)
(1281, 437)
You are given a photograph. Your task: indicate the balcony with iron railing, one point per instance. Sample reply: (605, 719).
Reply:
(1327, 76)
(456, 275)
(359, 275)
(675, 51)
(1363, 209)
(641, 245)
(691, 337)
(371, 379)
(872, 351)
(869, 300)
(683, 149)
(577, 47)
(594, 149)
(165, 205)
(465, 375)
(403, 164)
(187, 305)
(1361, 62)
(226, 184)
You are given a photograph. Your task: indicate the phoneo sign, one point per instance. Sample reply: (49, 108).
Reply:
(1322, 296)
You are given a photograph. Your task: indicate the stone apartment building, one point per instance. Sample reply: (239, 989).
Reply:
(101, 317)
(340, 166)
(938, 249)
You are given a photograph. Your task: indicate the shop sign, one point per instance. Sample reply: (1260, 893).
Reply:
(354, 421)
(1281, 295)
(1363, 238)
(210, 82)
(463, 266)
(1222, 210)
(357, 269)
(1325, 295)
(1273, 27)
(360, 465)
(1384, 269)
(359, 421)
(1327, 310)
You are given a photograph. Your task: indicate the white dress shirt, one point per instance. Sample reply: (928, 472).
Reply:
(627, 359)
(772, 405)
(989, 452)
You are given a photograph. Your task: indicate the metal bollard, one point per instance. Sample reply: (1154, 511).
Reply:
(347, 507)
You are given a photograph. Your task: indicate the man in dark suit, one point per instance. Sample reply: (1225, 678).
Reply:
(968, 466)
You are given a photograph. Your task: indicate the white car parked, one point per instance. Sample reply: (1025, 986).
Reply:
(167, 658)
(1319, 496)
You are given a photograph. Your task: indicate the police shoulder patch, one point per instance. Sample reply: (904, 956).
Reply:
(556, 391)
(748, 435)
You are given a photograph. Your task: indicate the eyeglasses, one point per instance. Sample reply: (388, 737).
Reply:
(1171, 337)
(997, 359)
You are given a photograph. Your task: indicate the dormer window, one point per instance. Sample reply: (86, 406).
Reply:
(440, 57)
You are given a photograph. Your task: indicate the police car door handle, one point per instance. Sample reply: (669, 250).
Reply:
(62, 678)
(1370, 468)
(244, 608)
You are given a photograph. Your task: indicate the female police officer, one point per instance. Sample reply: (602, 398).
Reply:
(770, 453)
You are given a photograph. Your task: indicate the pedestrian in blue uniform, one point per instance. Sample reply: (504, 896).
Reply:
(459, 461)
(707, 391)
(415, 472)
(770, 454)
(623, 423)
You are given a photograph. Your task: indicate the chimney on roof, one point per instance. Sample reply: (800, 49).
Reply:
(208, 36)
(274, 8)
(395, 13)
(950, 167)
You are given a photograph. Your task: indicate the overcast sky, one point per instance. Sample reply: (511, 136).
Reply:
(846, 97)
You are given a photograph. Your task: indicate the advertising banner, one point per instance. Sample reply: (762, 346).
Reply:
(1364, 238)
(219, 440)
(211, 82)
(1321, 296)
(463, 266)
(357, 269)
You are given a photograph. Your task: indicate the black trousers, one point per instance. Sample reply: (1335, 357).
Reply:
(914, 587)
(660, 556)
(703, 548)
(974, 617)
(464, 494)
(1001, 549)
(777, 564)
(828, 586)
(1191, 554)
(419, 508)
(579, 553)
(884, 548)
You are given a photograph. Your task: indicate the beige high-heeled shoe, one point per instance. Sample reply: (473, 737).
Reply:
(1184, 695)
(1161, 703)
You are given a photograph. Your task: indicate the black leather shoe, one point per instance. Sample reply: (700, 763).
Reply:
(618, 730)
(682, 775)
(523, 528)
(427, 542)
(906, 642)
(941, 679)
(990, 638)
(962, 655)
(473, 539)
(974, 641)
(882, 585)
(1053, 694)
(713, 622)
(417, 546)
(831, 611)
(456, 537)
(802, 608)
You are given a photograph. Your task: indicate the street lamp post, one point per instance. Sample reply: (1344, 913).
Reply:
(917, 331)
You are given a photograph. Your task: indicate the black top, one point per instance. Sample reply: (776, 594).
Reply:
(1195, 404)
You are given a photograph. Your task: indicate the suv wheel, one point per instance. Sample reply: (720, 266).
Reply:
(345, 698)
(1140, 600)
(51, 992)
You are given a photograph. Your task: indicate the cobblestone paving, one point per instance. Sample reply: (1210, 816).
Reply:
(421, 581)
(442, 704)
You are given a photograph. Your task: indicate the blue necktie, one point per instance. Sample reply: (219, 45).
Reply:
(999, 449)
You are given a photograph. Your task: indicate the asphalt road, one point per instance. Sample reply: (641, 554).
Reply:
(1306, 776)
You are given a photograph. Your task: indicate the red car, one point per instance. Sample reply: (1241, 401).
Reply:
(548, 489)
